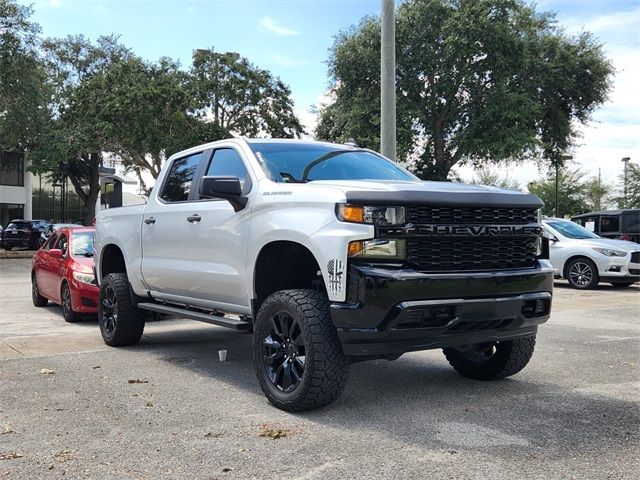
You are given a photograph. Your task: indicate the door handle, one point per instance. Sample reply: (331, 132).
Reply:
(194, 218)
(149, 220)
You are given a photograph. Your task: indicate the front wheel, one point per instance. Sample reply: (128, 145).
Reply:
(121, 322)
(298, 356)
(582, 274)
(492, 361)
(67, 305)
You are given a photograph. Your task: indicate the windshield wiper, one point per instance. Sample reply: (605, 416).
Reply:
(323, 158)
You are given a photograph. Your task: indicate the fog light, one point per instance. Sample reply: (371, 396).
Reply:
(615, 268)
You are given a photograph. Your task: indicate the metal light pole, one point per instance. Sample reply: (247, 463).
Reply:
(388, 81)
(625, 160)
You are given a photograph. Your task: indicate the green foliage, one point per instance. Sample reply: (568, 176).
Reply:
(241, 98)
(489, 175)
(477, 80)
(633, 187)
(576, 193)
(23, 93)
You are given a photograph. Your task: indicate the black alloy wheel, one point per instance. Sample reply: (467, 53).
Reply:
(283, 352)
(67, 306)
(109, 312)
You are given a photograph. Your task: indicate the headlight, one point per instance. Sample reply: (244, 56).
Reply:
(379, 249)
(85, 278)
(607, 252)
(371, 215)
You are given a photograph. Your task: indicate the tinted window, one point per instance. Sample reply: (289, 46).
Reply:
(178, 183)
(609, 224)
(226, 162)
(11, 169)
(291, 162)
(50, 242)
(631, 222)
(62, 243)
(82, 244)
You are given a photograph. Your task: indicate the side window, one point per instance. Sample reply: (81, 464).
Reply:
(178, 184)
(50, 242)
(62, 244)
(226, 162)
(609, 224)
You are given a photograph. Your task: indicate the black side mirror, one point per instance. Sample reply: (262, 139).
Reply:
(227, 188)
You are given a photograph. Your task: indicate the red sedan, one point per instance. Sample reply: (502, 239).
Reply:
(63, 273)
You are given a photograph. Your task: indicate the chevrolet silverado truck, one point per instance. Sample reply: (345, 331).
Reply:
(327, 254)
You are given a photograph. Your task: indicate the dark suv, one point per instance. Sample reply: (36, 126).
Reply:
(23, 233)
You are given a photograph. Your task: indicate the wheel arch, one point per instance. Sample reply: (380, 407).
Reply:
(111, 261)
(282, 265)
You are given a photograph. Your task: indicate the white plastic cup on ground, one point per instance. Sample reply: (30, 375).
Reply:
(222, 355)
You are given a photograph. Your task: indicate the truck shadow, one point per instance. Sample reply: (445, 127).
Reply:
(419, 399)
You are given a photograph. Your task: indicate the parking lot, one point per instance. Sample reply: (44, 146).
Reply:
(167, 408)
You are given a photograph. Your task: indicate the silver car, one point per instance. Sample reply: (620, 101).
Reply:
(585, 259)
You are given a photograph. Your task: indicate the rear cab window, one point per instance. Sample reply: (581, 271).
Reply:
(177, 186)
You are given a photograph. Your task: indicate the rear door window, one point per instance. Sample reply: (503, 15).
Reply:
(610, 224)
(177, 186)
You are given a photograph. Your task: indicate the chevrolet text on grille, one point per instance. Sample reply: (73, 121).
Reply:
(462, 230)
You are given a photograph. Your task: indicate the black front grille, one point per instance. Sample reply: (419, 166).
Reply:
(635, 257)
(471, 215)
(437, 254)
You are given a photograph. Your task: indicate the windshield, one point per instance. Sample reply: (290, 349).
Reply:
(571, 230)
(82, 244)
(291, 163)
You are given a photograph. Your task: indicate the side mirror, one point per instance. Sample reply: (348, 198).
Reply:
(553, 239)
(55, 253)
(227, 188)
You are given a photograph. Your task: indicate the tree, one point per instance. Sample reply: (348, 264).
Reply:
(23, 93)
(633, 187)
(147, 108)
(241, 98)
(489, 176)
(572, 192)
(73, 143)
(477, 80)
(597, 194)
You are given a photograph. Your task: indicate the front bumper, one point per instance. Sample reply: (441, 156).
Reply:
(84, 297)
(390, 311)
(622, 269)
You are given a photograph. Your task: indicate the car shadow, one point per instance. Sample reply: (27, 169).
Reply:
(419, 397)
(564, 285)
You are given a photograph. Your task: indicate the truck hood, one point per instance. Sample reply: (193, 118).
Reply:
(387, 192)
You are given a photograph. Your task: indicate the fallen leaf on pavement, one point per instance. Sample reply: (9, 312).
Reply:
(135, 380)
(7, 429)
(64, 455)
(275, 433)
(212, 435)
(46, 371)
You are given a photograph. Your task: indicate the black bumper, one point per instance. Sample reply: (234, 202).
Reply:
(390, 311)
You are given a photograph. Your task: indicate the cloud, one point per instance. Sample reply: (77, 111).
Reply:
(270, 25)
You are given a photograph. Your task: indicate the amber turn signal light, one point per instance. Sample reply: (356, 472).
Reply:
(350, 213)
(355, 248)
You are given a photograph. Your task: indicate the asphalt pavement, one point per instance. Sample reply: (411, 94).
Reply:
(71, 407)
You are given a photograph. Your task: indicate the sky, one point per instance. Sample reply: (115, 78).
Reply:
(292, 39)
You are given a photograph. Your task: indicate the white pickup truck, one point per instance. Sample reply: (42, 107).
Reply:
(328, 254)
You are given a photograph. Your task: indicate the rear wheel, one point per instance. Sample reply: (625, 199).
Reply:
(121, 322)
(492, 361)
(7, 247)
(582, 274)
(298, 357)
(67, 305)
(38, 300)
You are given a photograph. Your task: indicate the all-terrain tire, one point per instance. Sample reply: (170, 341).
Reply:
(582, 274)
(506, 359)
(121, 322)
(66, 303)
(38, 300)
(325, 366)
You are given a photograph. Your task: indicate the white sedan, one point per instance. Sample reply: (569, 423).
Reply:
(585, 259)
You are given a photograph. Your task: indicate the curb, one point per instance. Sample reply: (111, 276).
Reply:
(17, 254)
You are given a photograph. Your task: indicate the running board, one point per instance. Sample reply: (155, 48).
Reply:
(195, 315)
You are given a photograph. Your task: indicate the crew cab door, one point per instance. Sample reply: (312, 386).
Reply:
(194, 250)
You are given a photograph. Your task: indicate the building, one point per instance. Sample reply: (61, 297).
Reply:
(15, 188)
